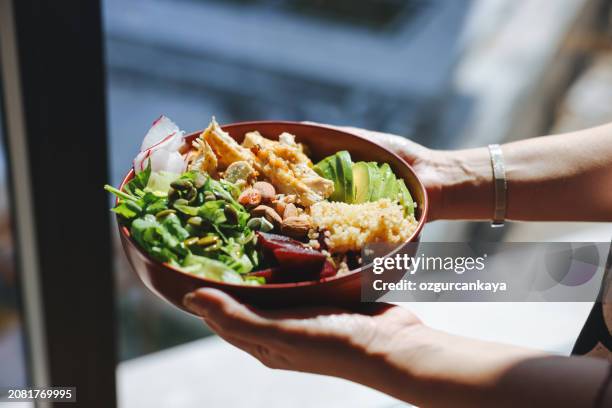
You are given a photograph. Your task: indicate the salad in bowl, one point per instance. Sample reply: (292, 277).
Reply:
(256, 209)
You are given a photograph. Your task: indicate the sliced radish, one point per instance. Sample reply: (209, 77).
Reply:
(161, 145)
(161, 129)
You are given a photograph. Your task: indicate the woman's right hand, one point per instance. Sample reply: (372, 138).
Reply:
(453, 179)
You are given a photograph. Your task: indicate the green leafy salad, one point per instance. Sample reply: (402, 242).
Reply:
(192, 222)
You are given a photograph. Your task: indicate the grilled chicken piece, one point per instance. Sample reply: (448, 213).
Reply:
(226, 149)
(202, 158)
(288, 168)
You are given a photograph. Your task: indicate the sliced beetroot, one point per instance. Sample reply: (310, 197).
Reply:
(328, 270)
(296, 261)
(300, 261)
(274, 241)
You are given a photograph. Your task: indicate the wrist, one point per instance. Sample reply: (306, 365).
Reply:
(396, 362)
(425, 366)
(466, 184)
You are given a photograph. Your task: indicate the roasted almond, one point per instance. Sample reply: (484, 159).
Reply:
(279, 205)
(268, 213)
(250, 197)
(267, 191)
(296, 227)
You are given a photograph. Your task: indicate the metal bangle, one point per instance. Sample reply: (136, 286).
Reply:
(500, 184)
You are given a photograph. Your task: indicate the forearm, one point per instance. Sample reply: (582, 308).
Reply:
(435, 369)
(564, 177)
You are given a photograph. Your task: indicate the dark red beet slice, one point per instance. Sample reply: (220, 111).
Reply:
(328, 270)
(300, 261)
(274, 241)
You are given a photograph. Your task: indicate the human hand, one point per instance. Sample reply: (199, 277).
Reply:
(320, 340)
(458, 183)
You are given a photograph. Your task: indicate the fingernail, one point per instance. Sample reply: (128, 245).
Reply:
(194, 304)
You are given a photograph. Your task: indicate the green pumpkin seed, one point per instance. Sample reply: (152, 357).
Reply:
(208, 241)
(173, 195)
(260, 224)
(181, 201)
(191, 195)
(231, 214)
(181, 184)
(211, 248)
(191, 241)
(195, 221)
(164, 213)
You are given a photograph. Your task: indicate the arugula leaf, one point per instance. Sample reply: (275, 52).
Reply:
(152, 234)
(212, 211)
(217, 188)
(173, 224)
(163, 238)
(120, 193)
(186, 209)
(139, 182)
(157, 206)
(210, 269)
(124, 211)
(254, 280)
(142, 178)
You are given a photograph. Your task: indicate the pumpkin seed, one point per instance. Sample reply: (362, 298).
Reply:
(231, 214)
(191, 195)
(181, 201)
(191, 241)
(164, 213)
(173, 194)
(195, 221)
(208, 240)
(181, 184)
(260, 224)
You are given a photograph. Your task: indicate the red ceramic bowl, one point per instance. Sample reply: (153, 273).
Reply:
(172, 284)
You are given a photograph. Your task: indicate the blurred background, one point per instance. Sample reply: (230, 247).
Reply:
(447, 74)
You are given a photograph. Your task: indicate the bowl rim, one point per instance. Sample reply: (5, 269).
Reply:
(270, 286)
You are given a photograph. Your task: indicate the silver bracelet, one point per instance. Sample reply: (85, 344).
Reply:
(500, 183)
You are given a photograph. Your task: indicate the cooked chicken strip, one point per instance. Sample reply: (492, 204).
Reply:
(225, 147)
(203, 158)
(288, 168)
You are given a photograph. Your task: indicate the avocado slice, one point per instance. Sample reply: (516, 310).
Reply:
(344, 173)
(405, 198)
(322, 167)
(326, 168)
(362, 180)
(388, 178)
(376, 181)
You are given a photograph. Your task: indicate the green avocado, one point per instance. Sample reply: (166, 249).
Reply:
(405, 198)
(388, 182)
(376, 181)
(326, 168)
(344, 173)
(362, 180)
